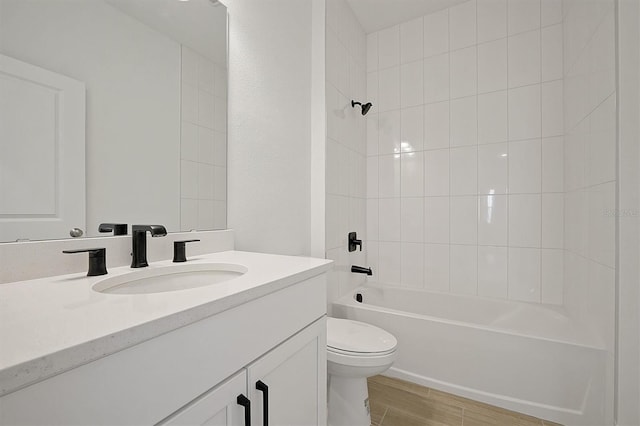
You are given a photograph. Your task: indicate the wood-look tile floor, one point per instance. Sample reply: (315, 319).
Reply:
(395, 402)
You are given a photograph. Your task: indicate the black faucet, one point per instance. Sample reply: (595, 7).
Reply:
(139, 248)
(361, 270)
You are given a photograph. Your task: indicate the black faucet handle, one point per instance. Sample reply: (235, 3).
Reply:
(117, 228)
(354, 242)
(155, 230)
(97, 260)
(180, 250)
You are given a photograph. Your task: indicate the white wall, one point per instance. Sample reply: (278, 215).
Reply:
(346, 147)
(269, 153)
(464, 151)
(132, 75)
(628, 389)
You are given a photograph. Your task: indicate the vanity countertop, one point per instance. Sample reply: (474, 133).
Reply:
(51, 325)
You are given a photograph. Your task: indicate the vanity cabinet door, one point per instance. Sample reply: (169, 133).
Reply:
(217, 407)
(292, 380)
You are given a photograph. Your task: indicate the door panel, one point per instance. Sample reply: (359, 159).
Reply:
(42, 141)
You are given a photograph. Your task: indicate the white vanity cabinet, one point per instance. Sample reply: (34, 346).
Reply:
(218, 407)
(287, 386)
(284, 387)
(194, 374)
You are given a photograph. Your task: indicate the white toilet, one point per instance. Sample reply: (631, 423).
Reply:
(355, 351)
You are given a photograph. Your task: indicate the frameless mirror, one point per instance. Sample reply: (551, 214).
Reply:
(111, 111)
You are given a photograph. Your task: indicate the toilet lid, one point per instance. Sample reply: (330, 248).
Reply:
(358, 337)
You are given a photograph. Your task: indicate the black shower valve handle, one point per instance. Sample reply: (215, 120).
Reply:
(354, 242)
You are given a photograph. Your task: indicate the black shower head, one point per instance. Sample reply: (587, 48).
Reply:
(365, 107)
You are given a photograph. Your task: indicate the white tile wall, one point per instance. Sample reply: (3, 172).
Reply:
(492, 20)
(437, 220)
(357, 65)
(411, 84)
(525, 120)
(463, 269)
(492, 271)
(492, 66)
(436, 267)
(436, 78)
(589, 210)
(524, 59)
(464, 74)
(524, 274)
(411, 41)
(436, 33)
(466, 142)
(463, 121)
(411, 268)
(524, 15)
(203, 153)
(492, 220)
(462, 25)
(436, 125)
(492, 117)
(463, 171)
(412, 129)
(492, 168)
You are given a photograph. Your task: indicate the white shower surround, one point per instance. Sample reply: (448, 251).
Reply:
(525, 357)
(465, 151)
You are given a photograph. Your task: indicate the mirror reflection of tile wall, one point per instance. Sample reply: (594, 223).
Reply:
(203, 156)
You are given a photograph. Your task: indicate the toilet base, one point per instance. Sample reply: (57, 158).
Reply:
(348, 401)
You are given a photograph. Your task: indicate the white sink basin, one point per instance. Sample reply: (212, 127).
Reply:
(170, 278)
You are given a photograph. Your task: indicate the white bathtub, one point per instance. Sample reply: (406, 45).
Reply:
(525, 357)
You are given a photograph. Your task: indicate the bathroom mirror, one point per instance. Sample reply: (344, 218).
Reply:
(142, 84)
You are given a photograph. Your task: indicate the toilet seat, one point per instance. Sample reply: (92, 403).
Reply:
(357, 339)
(362, 354)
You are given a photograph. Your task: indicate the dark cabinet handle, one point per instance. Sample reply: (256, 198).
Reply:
(262, 387)
(180, 250)
(97, 260)
(244, 401)
(117, 228)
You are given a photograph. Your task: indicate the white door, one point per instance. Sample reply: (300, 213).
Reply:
(292, 380)
(218, 407)
(42, 152)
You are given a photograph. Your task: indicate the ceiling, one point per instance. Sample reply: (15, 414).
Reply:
(197, 24)
(375, 15)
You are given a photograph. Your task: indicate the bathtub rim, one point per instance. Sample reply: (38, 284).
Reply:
(589, 338)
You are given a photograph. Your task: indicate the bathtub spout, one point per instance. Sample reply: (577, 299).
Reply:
(361, 270)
